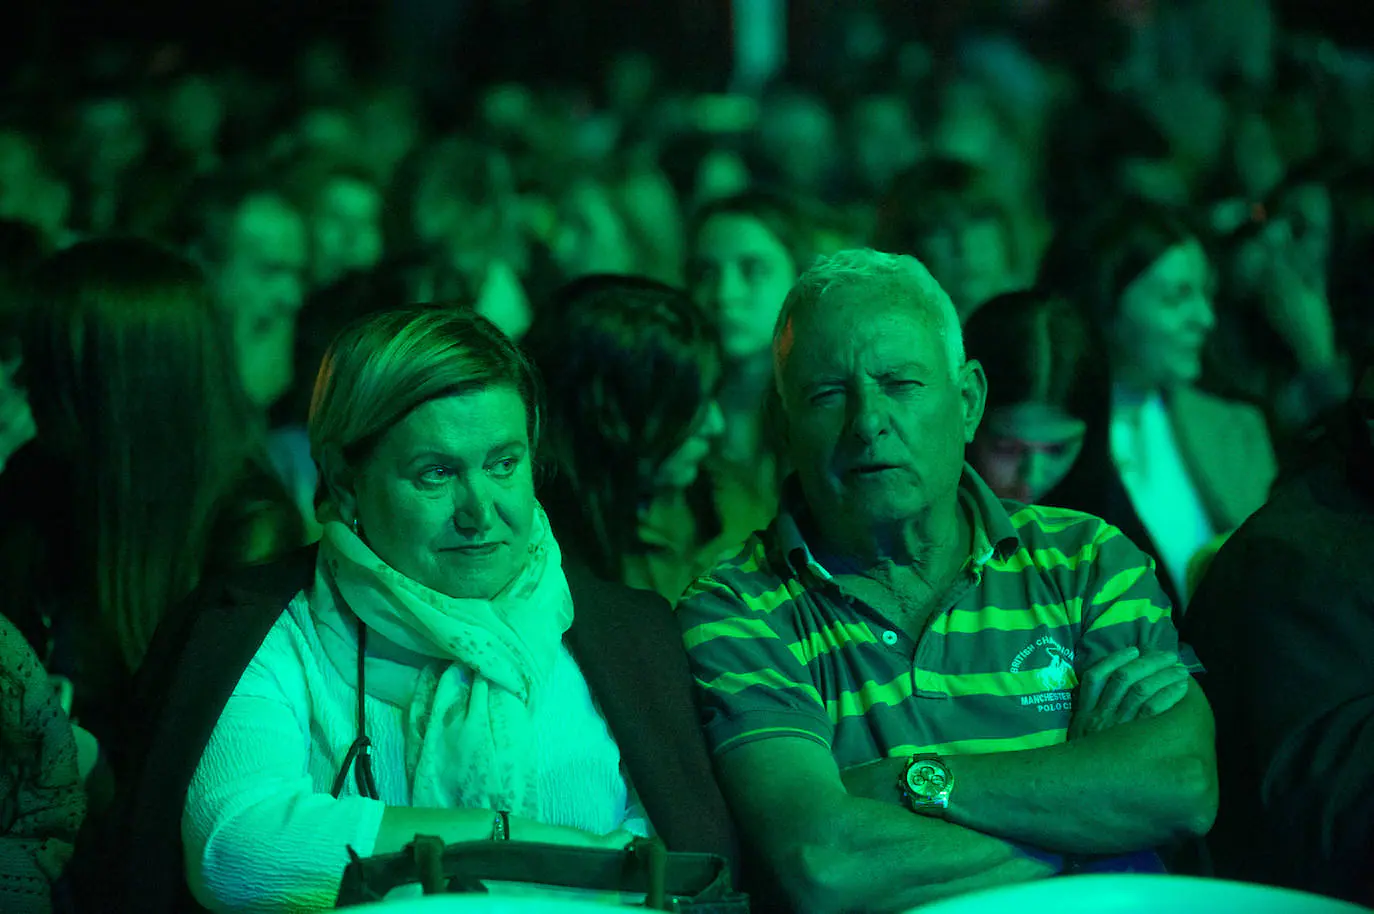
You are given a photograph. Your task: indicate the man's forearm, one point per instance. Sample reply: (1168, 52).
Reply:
(875, 856)
(1138, 785)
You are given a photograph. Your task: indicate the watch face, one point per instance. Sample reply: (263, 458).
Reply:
(927, 780)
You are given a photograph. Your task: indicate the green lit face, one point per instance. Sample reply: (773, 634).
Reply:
(447, 497)
(259, 287)
(1162, 320)
(741, 273)
(1025, 449)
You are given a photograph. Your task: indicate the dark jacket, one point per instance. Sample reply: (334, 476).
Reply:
(626, 642)
(1284, 622)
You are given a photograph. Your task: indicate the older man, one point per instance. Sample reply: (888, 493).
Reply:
(911, 688)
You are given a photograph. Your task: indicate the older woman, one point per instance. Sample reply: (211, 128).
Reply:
(430, 668)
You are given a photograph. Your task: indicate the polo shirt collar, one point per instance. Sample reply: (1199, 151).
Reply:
(994, 535)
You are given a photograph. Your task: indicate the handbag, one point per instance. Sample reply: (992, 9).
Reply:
(693, 883)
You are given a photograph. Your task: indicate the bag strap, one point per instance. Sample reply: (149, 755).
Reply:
(462, 866)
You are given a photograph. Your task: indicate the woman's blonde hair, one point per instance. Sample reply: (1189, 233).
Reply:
(385, 365)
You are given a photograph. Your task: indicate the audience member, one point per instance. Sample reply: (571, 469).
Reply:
(1285, 622)
(1040, 368)
(623, 219)
(943, 212)
(1276, 341)
(452, 208)
(1050, 712)
(746, 251)
(342, 206)
(631, 368)
(253, 245)
(433, 625)
(145, 462)
(1173, 467)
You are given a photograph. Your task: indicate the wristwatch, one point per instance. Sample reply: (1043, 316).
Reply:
(926, 785)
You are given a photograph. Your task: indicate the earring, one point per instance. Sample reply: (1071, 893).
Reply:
(355, 528)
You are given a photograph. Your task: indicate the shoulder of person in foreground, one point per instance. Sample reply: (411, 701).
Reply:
(1285, 622)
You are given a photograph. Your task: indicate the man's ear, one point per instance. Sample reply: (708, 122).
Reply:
(973, 394)
(775, 425)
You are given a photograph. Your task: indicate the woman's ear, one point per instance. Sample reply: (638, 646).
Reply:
(338, 487)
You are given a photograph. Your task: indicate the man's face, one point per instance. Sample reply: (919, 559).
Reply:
(259, 288)
(876, 425)
(971, 259)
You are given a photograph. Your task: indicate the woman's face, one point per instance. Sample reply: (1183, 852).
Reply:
(447, 497)
(591, 237)
(1162, 321)
(681, 468)
(741, 273)
(1026, 449)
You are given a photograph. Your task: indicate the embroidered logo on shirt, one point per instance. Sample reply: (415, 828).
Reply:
(1052, 664)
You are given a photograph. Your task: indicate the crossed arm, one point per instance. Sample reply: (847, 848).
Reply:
(840, 840)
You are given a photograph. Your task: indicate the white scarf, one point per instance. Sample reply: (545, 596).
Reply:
(469, 738)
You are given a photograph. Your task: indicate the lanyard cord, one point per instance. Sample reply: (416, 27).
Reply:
(359, 756)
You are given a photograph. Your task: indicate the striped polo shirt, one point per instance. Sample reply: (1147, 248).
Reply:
(778, 649)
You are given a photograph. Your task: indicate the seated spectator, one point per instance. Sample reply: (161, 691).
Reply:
(42, 801)
(1276, 340)
(1172, 467)
(631, 368)
(342, 207)
(497, 692)
(253, 245)
(1010, 748)
(1036, 354)
(623, 219)
(452, 209)
(944, 213)
(745, 253)
(1285, 622)
(146, 462)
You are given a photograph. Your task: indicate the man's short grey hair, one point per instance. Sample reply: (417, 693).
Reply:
(899, 277)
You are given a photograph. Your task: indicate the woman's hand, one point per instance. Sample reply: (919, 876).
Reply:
(1296, 306)
(617, 840)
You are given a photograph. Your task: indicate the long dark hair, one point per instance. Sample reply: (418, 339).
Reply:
(144, 435)
(1034, 345)
(628, 366)
(1093, 262)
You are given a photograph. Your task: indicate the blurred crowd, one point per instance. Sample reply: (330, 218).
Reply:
(1154, 220)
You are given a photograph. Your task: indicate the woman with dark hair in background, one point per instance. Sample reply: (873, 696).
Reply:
(1041, 374)
(145, 473)
(631, 368)
(1172, 466)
